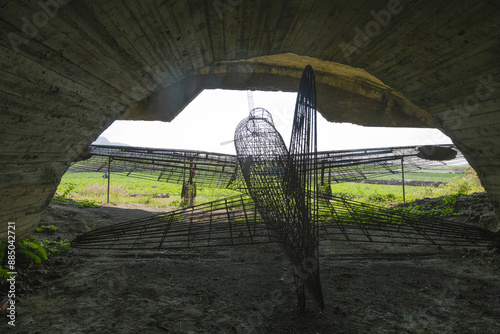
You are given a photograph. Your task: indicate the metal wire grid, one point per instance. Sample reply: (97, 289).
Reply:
(209, 169)
(236, 221)
(353, 165)
(346, 220)
(220, 170)
(232, 221)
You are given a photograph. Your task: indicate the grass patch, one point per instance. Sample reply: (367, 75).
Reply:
(91, 187)
(460, 184)
(439, 174)
(444, 208)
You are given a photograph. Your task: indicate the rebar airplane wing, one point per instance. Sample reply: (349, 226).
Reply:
(220, 170)
(165, 165)
(358, 164)
(345, 220)
(235, 221)
(232, 221)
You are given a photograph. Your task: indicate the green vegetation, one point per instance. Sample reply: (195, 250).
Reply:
(65, 191)
(171, 218)
(53, 246)
(4, 273)
(441, 174)
(250, 220)
(43, 228)
(445, 208)
(88, 227)
(87, 189)
(31, 250)
(460, 184)
(92, 188)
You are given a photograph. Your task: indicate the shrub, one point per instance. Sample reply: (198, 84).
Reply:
(4, 273)
(55, 246)
(65, 193)
(31, 250)
(43, 228)
(377, 198)
(468, 183)
(445, 207)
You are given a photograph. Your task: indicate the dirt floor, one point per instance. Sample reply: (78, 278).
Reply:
(368, 288)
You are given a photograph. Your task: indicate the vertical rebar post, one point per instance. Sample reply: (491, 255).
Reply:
(109, 177)
(403, 178)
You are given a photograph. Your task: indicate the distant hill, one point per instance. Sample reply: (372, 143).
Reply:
(105, 142)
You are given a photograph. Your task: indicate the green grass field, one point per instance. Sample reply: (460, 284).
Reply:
(93, 188)
(422, 176)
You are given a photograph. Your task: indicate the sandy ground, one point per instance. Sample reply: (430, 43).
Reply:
(368, 288)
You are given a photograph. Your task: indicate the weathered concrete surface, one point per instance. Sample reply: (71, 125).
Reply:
(69, 68)
(345, 94)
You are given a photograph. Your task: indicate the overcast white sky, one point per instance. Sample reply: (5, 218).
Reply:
(212, 117)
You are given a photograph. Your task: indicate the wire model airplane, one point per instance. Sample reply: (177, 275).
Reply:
(282, 204)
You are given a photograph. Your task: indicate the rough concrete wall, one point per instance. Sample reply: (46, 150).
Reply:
(69, 68)
(446, 62)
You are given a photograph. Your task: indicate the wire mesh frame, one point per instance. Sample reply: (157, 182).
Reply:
(236, 221)
(232, 221)
(281, 186)
(220, 170)
(352, 165)
(273, 182)
(210, 169)
(346, 220)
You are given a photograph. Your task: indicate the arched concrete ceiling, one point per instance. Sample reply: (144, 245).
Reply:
(345, 94)
(68, 69)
